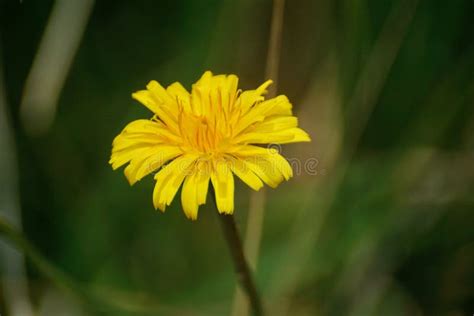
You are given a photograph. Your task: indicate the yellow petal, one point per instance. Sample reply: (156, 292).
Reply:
(223, 182)
(214, 94)
(160, 95)
(169, 179)
(157, 99)
(291, 135)
(148, 131)
(126, 140)
(119, 158)
(228, 92)
(205, 78)
(139, 140)
(248, 98)
(267, 163)
(279, 105)
(276, 106)
(200, 101)
(189, 196)
(275, 124)
(242, 171)
(149, 162)
(145, 98)
(281, 165)
(265, 170)
(249, 150)
(180, 95)
(204, 174)
(143, 126)
(232, 83)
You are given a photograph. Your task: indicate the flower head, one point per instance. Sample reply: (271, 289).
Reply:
(207, 135)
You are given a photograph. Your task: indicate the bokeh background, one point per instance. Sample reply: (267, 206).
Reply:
(382, 224)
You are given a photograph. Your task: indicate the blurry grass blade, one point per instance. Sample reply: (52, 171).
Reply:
(40, 262)
(367, 301)
(306, 228)
(274, 45)
(95, 299)
(14, 280)
(411, 169)
(52, 63)
(374, 75)
(257, 199)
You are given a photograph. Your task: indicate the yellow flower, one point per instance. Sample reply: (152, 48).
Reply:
(208, 134)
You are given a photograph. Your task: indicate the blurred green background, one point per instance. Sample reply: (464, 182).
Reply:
(382, 225)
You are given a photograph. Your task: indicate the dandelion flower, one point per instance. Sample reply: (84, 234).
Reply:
(211, 134)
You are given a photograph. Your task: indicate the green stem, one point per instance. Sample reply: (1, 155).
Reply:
(242, 269)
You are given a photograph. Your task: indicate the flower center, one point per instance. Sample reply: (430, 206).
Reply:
(205, 134)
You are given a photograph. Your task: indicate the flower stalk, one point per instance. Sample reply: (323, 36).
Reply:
(241, 266)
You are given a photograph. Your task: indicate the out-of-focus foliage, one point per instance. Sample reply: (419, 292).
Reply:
(385, 227)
